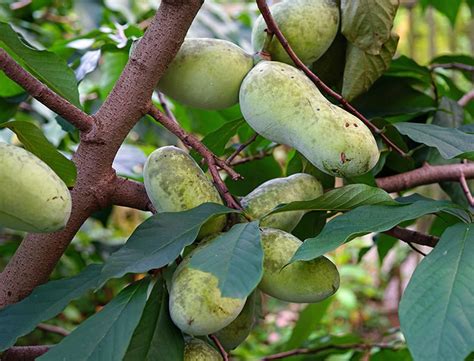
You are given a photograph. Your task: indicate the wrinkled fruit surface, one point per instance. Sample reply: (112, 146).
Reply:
(279, 102)
(196, 304)
(297, 187)
(301, 281)
(32, 197)
(174, 182)
(206, 74)
(310, 26)
(198, 350)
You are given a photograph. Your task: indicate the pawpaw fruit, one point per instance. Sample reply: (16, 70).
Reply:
(198, 350)
(297, 187)
(300, 281)
(174, 182)
(280, 103)
(206, 74)
(32, 197)
(309, 26)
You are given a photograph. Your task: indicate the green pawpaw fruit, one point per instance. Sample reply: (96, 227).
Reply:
(238, 330)
(196, 304)
(32, 197)
(297, 187)
(174, 182)
(301, 281)
(310, 26)
(206, 74)
(198, 350)
(279, 102)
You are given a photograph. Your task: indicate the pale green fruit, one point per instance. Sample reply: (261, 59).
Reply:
(297, 187)
(32, 197)
(198, 350)
(310, 26)
(206, 74)
(174, 182)
(236, 332)
(301, 281)
(196, 304)
(283, 105)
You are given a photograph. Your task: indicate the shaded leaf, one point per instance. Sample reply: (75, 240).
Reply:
(437, 308)
(113, 63)
(217, 140)
(448, 8)
(405, 67)
(449, 114)
(235, 258)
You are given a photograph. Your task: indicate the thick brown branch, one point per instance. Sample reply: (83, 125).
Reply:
(426, 175)
(43, 94)
(24, 353)
(131, 194)
(272, 27)
(409, 236)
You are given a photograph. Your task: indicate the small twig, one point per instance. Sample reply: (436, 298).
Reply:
(241, 148)
(416, 249)
(220, 347)
(409, 236)
(273, 27)
(212, 161)
(24, 353)
(43, 94)
(260, 155)
(466, 98)
(165, 106)
(54, 329)
(459, 66)
(465, 189)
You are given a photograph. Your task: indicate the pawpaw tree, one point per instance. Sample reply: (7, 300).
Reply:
(193, 181)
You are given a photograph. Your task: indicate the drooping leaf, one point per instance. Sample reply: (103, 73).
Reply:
(156, 336)
(449, 114)
(437, 308)
(363, 69)
(34, 141)
(159, 240)
(235, 258)
(47, 67)
(217, 140)
(448, 8)
(105, 335)
(364, 220)
(405, 67)
(112, 66)
(368, 23)
(45, 302)
(451, 143)
(384, 244)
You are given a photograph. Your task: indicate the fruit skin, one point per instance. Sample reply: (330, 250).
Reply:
(198, 350)
(283, 105)
(310, 26)
(32, 197)
(196, 304)
(206, 73)
(238, 330)
(297, 187)
(301, 281)
(174, 182)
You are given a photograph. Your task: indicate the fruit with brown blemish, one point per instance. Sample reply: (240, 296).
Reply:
(198, 350)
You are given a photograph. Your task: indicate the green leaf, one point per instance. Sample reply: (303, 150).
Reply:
(391, 355)
(384, 244)
(105, 335)
(341, 199)
(437, 309)
(235, 258)
(159, 240)
(448, 8)
(463, 59)
(367, 24)
(9, 88)
(217, 140)
(310, 225)
(47, 67)
(113, 63)
(363, 69)
(364, 220)
(405, 67)
(307, 322)
(449, 114)
(45, 302)
(7, 109)
(35, 142)
(451, 143)
(156, 337)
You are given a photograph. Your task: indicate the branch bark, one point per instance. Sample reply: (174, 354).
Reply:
(24, 353)
(409, 236)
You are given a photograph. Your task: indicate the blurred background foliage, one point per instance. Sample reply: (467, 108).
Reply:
(95, 38)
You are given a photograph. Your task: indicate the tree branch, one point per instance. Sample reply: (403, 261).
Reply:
(426, 175)
(272, 27)
(43, 94)
(53, 329)
(409, 236)
(458, 66)
(222, 351)
(241, 147)
(466, 98)
(128, 193)
(24, 353)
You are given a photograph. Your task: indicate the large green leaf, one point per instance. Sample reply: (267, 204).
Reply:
(368, 23)
(448, 8)
(364, 220)
(235, 258)
(437, 308)
(106, 335)
(45, 302)
(451, 143)
(47, 67)
(405, 67)
(341, 199)
(113, 63)
(156, 337)
(34, 141)
(159, 240)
